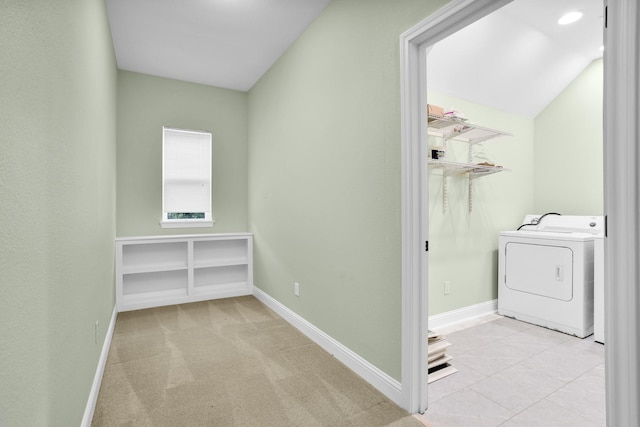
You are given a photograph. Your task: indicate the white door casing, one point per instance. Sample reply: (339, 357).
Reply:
(414, 44)
(622, 209)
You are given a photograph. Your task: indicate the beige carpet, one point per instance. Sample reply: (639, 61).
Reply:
(230, 362)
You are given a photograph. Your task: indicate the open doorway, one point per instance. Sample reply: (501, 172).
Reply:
(619, 126)
(519, 72)
(534, 88)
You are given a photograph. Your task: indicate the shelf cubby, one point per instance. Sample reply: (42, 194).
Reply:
(211, 253)
(141, 283)
(213, 276)
(149, 257)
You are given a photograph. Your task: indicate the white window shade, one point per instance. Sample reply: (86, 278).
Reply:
(186, 172)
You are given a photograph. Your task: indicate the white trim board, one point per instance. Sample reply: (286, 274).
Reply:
(374, 376)
(622, 198)
(446, 320)
(97, 378)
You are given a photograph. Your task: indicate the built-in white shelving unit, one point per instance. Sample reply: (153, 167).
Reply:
(153, 271)
(457, 129)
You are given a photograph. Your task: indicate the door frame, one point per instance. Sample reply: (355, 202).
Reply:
(622, 199)
(622, 209)
(415, 197)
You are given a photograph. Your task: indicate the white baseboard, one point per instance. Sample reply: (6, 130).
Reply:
(97, 378)
(374, 376)
(451, 318)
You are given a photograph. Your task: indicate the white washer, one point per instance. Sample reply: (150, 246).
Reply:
(546, 272)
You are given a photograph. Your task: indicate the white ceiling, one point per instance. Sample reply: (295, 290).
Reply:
(518, 59)
(224, 43)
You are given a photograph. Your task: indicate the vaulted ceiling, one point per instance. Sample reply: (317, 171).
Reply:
(516, 59)
(224, 43)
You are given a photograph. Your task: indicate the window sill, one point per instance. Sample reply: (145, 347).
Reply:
(186, 224)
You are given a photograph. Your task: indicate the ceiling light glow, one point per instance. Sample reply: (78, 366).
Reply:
(569, 18)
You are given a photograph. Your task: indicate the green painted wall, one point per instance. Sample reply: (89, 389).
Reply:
(463, 245)
(145, 104)
(568, 148)
(57, 192)
(324, 175)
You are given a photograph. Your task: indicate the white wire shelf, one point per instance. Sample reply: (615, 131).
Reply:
(460, 130)
(456, 168)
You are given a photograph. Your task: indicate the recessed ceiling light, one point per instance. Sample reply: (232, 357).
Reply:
(569, 18)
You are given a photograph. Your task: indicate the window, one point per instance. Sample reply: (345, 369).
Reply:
(186, 178)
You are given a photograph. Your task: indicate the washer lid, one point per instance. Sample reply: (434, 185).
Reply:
(548, 235)
(593, 225)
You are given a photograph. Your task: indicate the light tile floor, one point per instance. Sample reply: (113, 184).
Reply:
(515, 374)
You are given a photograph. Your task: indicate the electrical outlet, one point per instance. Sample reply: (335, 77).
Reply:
(97, 329)
(447, 287)
(296, 289)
